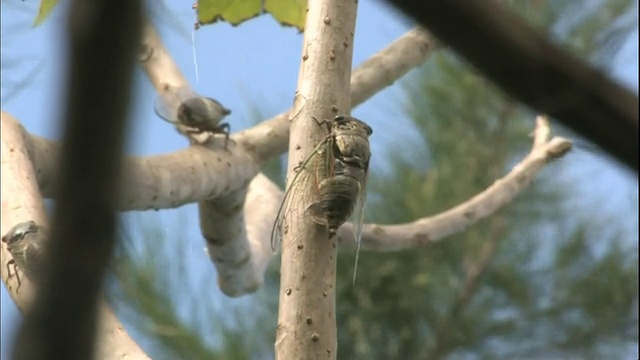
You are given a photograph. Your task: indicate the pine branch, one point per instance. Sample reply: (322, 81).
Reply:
(475, 271)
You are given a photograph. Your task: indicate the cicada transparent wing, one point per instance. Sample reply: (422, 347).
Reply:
(358, 218)
(318, 166)
(168, 102)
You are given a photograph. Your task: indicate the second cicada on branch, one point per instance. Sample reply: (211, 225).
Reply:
(192, 114)
(27, 242)
(339, 166)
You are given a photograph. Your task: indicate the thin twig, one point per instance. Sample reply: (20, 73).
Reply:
(434, 228)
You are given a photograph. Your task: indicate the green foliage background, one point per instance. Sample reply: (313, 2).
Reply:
(539, 279)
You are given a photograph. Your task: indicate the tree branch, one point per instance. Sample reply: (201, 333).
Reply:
(529, 67)
(160, 181)
(434, 228)
(21, 201)
(221, 216)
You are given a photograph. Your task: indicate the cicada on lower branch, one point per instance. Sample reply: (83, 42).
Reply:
(27, 244)
(339, 167)
(191, 113)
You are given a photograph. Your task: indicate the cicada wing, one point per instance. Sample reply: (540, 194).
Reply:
(304, 171)
(169, 100)
(277, 230)
(34, 255)
(163, 111)
(358, 219)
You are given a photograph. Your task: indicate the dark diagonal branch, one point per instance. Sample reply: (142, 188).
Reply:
(524, 63)
(63, 322)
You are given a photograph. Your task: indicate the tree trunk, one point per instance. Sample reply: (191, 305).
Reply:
(306, 319)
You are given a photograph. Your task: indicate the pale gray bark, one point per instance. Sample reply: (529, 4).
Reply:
(306, 317)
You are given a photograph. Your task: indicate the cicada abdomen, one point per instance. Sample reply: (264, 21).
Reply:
(344, 192)
(338, 197)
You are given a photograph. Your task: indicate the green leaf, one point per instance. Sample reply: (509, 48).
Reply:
(44, 10)
(288, 12)
(232, 11)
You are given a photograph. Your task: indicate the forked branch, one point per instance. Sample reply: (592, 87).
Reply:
(198, 172)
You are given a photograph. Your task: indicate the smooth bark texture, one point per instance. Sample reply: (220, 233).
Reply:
(525, 64)
(306, 317)
(62, 322)
(21, 200)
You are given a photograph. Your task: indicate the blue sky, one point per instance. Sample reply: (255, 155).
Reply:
(251, 66)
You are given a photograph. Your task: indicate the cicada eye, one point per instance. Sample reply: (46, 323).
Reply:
(369, 130)
(340, 118)
(215, 107)
(184, 114)
(19, 231)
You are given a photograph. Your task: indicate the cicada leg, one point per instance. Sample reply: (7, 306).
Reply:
(326, 123)
(15, 272)
(9, 263)
(224, 128)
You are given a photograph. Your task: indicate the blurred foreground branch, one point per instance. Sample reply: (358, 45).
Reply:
(529, 67)
(62, 322)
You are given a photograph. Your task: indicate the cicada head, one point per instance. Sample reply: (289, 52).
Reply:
(350, 123)
(19, 232)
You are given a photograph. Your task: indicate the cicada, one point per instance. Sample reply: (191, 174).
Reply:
(27, 243)
(339, 165)
(191, 113)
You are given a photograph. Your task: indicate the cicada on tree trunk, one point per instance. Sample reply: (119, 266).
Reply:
(339, 166)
